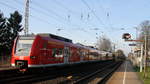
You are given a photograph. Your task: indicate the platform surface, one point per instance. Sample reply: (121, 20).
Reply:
(125, 74)
(6, 67)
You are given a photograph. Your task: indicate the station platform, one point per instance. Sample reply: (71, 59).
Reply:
(6, 67)
(125, 74)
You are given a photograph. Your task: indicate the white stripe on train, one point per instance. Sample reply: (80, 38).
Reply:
(58, 64)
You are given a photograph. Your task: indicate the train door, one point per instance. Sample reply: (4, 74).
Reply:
(43, 54)
(81, 55)
(66, 54)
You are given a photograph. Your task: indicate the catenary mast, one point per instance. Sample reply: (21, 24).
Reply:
(26, 20)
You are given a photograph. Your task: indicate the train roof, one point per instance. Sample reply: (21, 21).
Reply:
(55, 37)
(27, 37)
(84, 46)
(31, 37)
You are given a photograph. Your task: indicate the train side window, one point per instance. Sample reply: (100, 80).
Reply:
(66, 51)
(71, 52)
(79, 52)
(57, 52)
(87, 54)
(54, 52)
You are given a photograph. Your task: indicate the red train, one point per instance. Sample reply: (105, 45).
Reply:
(44, 50)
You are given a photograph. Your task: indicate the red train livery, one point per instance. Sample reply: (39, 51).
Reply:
(44, 50)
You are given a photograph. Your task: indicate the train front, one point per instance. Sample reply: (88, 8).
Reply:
(21, 52)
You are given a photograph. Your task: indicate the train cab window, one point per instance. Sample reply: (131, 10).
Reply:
(23, 47)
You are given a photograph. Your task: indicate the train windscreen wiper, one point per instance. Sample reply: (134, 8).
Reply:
(22, 49)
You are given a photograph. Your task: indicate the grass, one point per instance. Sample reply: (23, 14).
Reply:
(141, 74)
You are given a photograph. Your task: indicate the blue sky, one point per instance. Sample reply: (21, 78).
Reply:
(77, 21)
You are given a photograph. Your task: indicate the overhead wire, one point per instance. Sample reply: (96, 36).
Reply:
(37, 4)
(108, 17)
(69, 10)
(48, 10)
(86, 4)
(93, 12)
(47, 15)
(106, 13)
(40, 12)
(69, 17)
(63, 6)
(109, 22)
(75, 13)
(4, 4)
(37, 18)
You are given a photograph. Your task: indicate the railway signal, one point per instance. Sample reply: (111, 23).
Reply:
(126, 36)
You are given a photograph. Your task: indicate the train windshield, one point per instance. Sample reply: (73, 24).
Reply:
(23, 47)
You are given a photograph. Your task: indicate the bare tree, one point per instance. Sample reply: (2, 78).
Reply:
(145, 30)
(104, 44)
(145, 27)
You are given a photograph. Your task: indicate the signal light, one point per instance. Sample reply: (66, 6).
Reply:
(126, 36)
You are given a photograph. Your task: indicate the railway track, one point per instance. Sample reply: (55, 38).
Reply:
(98, 76)
(14, 77)
(54, 76)
(108, 75)
(76, 74)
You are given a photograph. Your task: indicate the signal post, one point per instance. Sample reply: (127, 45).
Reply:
(127, 38)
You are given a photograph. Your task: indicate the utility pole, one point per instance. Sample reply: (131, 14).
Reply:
(26, 20)
(136, 28)
(141, 63)
(145, 56)
(114, 47)
(141, 58)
